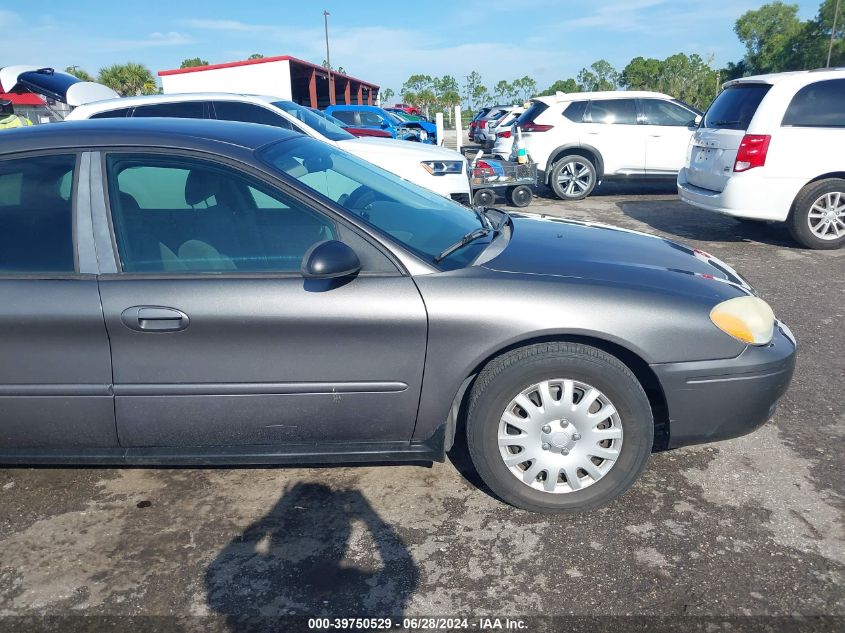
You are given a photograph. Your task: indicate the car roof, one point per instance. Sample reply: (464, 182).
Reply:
(129, 102)
(562, 97)
(797, 77)
(196, 134)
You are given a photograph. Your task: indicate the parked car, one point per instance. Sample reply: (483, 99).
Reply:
(407, 108)
(375, 118)
(198, 292)
(503, 132)
(484, 125)
(473, 124)
(578, 139)
(407, 116)
(770, 147)
(442, 170)
(413, 120)
(354, 131)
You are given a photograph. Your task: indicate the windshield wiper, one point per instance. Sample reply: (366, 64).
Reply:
(473, 235)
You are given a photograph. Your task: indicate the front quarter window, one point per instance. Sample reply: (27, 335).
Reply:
(422, 221)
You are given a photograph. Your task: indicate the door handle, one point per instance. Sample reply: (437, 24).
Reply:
(154, 319)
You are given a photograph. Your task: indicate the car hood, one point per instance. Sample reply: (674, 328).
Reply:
(569, 248)
(365, 147)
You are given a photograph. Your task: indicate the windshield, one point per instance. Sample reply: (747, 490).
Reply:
(395, 119)
(424, 222)
(735, 106)
(321, 124)
(330, 118)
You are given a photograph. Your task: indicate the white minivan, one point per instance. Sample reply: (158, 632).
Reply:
(772, 147)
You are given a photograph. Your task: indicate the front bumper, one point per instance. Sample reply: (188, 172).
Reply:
(722, 399)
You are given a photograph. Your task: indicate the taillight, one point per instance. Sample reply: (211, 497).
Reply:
(752, 152)
(534, 127)
(505, 134)
(482, 123)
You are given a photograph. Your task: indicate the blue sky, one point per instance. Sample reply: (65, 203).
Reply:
(379, 41)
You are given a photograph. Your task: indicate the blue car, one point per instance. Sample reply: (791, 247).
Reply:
(366, 116)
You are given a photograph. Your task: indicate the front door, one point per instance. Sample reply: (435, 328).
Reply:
(217, 340)
(55, 369)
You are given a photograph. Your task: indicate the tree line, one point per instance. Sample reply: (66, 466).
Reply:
(775, 40)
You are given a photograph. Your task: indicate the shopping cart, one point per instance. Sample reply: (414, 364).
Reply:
(487, 175)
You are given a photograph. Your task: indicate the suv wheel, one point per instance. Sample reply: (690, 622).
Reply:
(558, 427)
(573, 177)
(817, 219)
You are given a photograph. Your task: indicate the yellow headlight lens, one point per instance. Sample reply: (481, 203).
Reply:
(749, 319)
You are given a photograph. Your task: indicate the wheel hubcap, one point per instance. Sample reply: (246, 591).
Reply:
(827, 216)
(560, 435)
(575, 178)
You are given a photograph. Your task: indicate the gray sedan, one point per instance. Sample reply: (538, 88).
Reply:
(198, 292)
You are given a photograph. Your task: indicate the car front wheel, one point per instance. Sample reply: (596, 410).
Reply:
(573, 178)
(558, 427)
(817, 219)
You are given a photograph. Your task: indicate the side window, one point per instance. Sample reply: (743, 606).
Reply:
(575, 111)
(372, 119)
(821, 104)
(111, 114)
(249, 113)
(613, 111)
(207, 218)
(347, 116)
(660, 112)
(182, 110)
(36, 214)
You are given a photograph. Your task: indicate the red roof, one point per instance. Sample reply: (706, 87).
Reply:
(26, 98)
(260, 60)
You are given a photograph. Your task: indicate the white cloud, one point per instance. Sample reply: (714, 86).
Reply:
(153, 40)
(235, 26)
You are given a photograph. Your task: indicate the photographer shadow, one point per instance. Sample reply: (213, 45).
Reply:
(306, 558)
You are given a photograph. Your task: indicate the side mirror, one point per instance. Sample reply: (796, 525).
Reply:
(697, 120)
(329, 259)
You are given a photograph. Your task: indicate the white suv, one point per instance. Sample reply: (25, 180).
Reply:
(772, 147)
(577, 139)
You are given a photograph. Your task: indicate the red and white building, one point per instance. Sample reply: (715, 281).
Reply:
(284, 76)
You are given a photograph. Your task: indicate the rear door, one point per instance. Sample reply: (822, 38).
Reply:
(669, 128)
(612, 128)
(55, 369)
(715, 144)
(217, 340)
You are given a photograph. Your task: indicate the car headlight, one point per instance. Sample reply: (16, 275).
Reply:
(442, 167)
(749, 319)
(423, 135)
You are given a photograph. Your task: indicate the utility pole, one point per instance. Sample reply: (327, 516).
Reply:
(833, 32)
(326, 15)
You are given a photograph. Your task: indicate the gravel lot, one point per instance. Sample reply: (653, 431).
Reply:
(750, 527)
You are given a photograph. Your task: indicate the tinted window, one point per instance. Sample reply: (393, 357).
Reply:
(111, 114)
(36, 214)
(660, 112)
(575, 111)
(735, 106)
(534, 110)
(347, 116)
(183, 110)
(821, 104)
(371, 119)
(179, 215)
(618, 111)
(249, 113)
(420, 219)
(316, 123)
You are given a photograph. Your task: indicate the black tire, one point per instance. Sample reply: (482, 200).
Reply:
(520, 196)
(484, 197)
(799, 218)
(573, 163)
(506, 376)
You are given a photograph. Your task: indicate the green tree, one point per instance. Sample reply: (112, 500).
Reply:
(770, 35)
(77, 72)
(193, 62)
(525, 88)
(640, 73)
(256, 56)
(130, 79)
(561, 85)
(386, 95)
(503, 91)
(472, 87)
(601, 75)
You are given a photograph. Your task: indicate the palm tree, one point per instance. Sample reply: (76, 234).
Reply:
(77, 72)
(130, 79)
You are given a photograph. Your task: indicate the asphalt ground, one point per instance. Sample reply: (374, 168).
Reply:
(727, 536)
